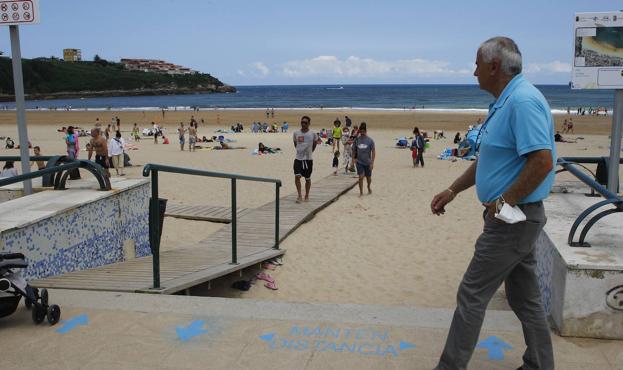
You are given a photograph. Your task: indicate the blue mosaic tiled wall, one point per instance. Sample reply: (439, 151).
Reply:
(84, 237)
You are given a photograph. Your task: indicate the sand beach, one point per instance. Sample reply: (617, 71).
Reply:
(386, 248)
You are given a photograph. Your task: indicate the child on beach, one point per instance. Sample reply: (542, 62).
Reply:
(336, 161)
(348, 150)
(336, 134)
(135, 134)
(417, 148)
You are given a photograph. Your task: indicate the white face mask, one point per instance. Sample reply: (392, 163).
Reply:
(510, 215)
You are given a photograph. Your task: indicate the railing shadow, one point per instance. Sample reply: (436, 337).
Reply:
(573, 165)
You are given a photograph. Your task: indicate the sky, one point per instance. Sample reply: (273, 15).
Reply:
(275, 42)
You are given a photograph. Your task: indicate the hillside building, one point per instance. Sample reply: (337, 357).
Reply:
(72, 55)
(157, 66)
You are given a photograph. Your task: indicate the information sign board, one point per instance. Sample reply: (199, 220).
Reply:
(598, 51)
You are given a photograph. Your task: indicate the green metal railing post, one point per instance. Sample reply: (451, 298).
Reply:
(155, 206)
(154, 229)
(234, 224)
(276, 216)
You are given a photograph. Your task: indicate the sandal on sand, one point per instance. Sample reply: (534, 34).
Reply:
(265, 277)
(271, 286)
(276, 261)
(269, 266)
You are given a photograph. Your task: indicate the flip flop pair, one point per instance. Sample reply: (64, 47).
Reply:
(265, 277)
(271, 286)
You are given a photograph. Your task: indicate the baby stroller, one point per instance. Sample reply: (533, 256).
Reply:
(13, 287)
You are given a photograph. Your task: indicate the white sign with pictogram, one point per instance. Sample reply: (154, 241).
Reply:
(17, 12)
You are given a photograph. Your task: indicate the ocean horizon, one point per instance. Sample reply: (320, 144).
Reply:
(460, 98)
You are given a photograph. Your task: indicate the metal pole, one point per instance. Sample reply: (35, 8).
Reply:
(615, 142)
(154, 222)
(276, 217)
(18, 83)
(234, 224)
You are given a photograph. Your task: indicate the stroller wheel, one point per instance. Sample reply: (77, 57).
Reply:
(54, 314)
(44, 297)
(38, 314)
(30, 292)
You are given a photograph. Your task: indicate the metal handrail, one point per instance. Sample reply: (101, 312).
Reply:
(154, 209)
(611, 198)
(59, 183)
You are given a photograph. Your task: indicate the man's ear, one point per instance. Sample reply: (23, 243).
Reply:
(496, 66)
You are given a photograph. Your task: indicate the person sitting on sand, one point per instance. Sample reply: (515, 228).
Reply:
(457, 138)
(263, 149)
(9, 144)
(165, 140)
(559, 139)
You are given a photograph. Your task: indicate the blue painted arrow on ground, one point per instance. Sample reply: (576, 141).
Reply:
(73, 323)
(194, 329)
(405, 345)
(267, 337)
(496, 347)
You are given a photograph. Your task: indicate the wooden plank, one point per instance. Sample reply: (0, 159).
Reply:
(214, 272)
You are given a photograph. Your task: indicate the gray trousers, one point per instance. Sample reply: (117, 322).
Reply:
(504, 253)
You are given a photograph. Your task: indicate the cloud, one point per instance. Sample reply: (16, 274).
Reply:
(332, 66)
(261, 69)
(548, 68)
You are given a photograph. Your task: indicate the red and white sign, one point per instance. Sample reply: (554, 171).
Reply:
(16, 12)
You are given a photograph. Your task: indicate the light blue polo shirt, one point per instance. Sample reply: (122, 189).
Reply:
(519, 122)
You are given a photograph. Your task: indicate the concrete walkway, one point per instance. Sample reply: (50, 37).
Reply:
(108, 330)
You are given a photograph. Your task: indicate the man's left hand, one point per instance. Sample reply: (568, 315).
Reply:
(491, 209)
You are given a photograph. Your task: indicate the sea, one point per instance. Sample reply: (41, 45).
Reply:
(434, 98)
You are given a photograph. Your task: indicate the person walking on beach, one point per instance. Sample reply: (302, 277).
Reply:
(99, 145)
(305, 144)
(135, 133)
(37, 153)
(117, 153)
(156, 130)
(515, 168)
(417, 148)
(72, 143)
(364, 155)
(192, 136)
(180, 131)
(336, 134)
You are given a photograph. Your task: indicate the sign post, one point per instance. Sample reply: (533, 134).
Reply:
(615, 142)
(598, 64)
(12, 14)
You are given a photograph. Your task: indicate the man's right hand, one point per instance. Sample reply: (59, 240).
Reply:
(440, 200)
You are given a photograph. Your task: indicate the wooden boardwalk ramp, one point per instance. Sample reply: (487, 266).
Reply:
(203, 212)
(189, 266)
